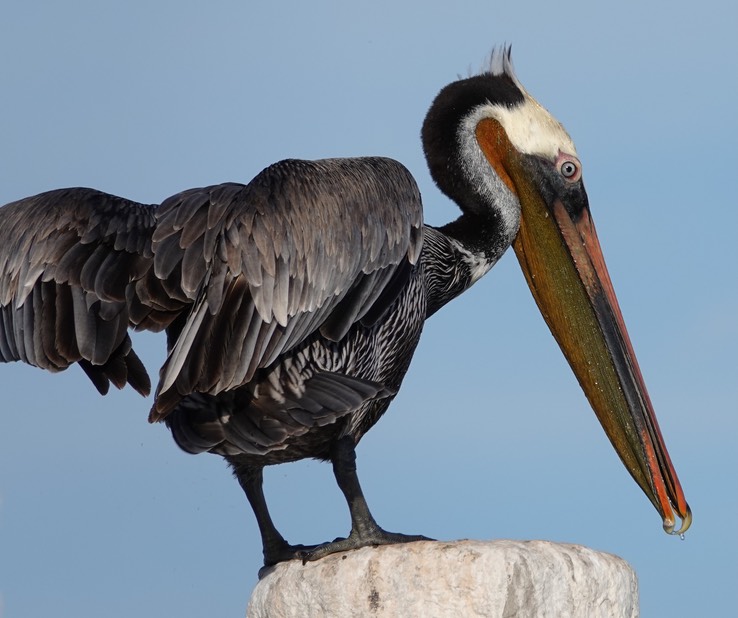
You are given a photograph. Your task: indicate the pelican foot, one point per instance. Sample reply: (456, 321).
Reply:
(284, 551)
(356, 541)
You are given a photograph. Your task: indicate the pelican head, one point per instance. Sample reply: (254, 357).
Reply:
(503, 158)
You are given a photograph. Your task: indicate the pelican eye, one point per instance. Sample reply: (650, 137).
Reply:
(568, 169)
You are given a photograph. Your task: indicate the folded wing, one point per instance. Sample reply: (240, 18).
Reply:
(306, 249)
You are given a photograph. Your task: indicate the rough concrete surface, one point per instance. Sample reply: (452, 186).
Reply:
(458, 579)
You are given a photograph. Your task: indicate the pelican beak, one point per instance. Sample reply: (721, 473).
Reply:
(559, 253)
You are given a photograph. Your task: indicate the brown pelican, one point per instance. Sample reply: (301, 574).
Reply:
(293, 304)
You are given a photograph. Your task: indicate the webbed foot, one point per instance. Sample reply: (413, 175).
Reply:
(372, 538)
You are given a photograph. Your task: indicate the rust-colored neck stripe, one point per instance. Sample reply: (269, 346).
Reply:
(496, 146)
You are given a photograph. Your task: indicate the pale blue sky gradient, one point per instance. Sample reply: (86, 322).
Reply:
(490, 437)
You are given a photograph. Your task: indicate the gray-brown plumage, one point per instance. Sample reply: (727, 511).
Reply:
(271, 293)
(293, 304)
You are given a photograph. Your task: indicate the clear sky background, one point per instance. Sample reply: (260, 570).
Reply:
(491, 437)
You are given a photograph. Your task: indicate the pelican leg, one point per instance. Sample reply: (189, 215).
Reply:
(364, 529)
(275, 548)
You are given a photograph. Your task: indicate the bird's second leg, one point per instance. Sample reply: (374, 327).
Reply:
(275, 548)
(364, 529)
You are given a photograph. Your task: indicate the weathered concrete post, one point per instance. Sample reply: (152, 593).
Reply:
(463, 579)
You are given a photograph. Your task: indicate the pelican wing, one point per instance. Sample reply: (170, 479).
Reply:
(67, 261)
(307, 246)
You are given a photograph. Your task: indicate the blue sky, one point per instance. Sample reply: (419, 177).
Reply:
(490, 437)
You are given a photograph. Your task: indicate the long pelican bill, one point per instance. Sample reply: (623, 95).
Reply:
(559, 252)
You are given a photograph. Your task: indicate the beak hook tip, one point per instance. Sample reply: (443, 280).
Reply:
(686, 518)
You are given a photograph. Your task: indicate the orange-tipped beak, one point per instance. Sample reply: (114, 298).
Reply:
(565, 269)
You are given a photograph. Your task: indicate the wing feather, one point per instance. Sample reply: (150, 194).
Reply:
(306, 249)
(67, 259)
(307, 242)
